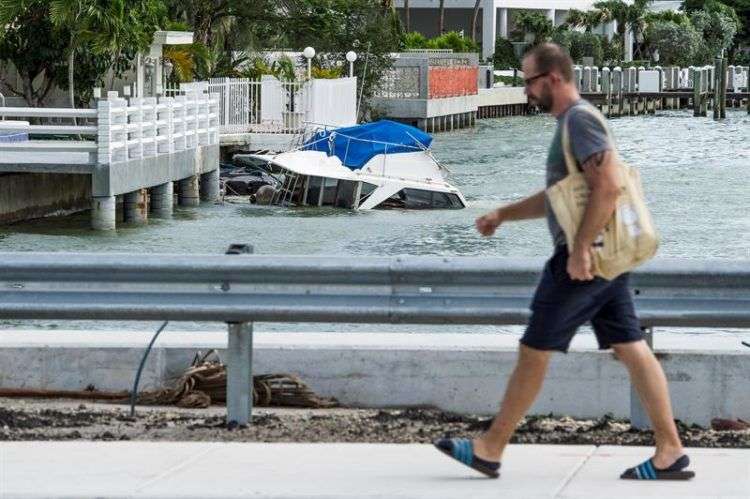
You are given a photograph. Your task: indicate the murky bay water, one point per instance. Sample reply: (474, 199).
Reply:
(695, 173)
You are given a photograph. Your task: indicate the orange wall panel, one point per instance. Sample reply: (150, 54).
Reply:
(452, 82)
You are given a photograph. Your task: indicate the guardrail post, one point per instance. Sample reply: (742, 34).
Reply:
(239, 373)
(239, 362)
(638, 417)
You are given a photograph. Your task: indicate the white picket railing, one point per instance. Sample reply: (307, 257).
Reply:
(272, 106)
(262, 106)
(125, 129)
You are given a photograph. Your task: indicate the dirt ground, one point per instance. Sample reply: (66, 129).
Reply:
(35, 419)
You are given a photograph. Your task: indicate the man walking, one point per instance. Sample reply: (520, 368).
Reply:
(568, 294)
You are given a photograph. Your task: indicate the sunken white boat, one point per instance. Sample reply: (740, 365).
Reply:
(375, 165)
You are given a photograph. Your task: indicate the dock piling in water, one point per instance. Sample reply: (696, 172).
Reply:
(135, 207)
(162, 200)
(209, 186)
(103, 212)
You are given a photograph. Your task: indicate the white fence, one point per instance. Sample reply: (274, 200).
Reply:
(265, 106)
(125, 129)
(269, 105)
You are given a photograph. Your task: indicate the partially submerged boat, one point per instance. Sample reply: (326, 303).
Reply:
(375, 165)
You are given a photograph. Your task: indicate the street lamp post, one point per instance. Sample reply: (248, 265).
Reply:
(351, 56)
(309, 53)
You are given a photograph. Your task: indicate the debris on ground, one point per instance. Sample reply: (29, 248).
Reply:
(729, 424)
(35, 419)
(203, 383)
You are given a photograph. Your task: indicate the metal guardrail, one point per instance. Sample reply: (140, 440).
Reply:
(240, 290)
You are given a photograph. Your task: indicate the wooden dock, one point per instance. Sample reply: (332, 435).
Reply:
(638, 103)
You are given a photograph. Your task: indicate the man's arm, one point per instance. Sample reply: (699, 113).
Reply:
(530, 207)
(602, 176)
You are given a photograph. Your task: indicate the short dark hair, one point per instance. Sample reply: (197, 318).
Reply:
(551, 57)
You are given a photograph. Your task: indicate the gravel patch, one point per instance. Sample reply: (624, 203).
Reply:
(33, 419)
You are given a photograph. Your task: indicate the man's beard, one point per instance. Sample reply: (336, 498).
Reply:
(543, 101)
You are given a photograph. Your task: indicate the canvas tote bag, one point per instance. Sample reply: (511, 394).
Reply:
(629, 238)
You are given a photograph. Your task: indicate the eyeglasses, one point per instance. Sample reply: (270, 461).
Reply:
(529, 81)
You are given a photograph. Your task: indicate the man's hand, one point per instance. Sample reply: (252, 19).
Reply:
(488, 223)
(579, 265)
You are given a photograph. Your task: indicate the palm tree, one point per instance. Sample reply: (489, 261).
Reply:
(123, 28)
(588, 20)
(441, 18)
(474, 21)
(73, 15)
(536, 24)
(406, 15)
(626, 16)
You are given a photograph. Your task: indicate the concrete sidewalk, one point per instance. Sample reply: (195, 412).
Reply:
(202, 469)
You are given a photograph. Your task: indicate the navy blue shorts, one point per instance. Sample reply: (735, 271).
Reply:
(561, 305)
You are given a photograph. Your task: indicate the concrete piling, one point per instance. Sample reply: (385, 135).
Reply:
(723, 86)
(607, 91)
(189, 194)
(718, 63)
(162, 200)
(103, 213)
(697, 94)
(209, 187)
(135, 207)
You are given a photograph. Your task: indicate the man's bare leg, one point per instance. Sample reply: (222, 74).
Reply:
(649, 380)
(523, 387)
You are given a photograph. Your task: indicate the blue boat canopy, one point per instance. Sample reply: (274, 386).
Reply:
(356, 145)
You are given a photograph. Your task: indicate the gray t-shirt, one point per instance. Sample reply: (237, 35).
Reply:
(587, 137)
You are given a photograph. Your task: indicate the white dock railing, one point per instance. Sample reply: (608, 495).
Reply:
(149, 126)
(123, 129)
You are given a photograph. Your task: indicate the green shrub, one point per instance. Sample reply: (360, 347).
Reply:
(580, 45)
(451, 40)
(677, 44)
(509, 80)
(505, 55)
(414, 40)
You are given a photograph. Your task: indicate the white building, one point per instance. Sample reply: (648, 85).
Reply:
(495, 17)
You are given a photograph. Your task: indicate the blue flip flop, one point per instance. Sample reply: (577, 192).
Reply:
(647, 471)
(462, 450)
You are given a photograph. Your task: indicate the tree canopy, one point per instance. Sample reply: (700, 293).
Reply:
(78, 44)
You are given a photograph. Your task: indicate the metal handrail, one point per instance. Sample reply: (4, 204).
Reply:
(411, 290)
(47, 112)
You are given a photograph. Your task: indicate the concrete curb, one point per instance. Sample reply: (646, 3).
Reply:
(456, 372)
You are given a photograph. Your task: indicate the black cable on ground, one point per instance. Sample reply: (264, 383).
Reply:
(134, 393)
